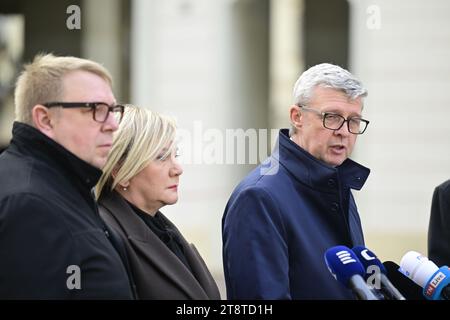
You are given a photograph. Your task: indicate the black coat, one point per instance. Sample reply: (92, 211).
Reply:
(439, 227)
(158, 273)
(49, 225)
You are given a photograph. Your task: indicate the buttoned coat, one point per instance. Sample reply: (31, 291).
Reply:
(282, 218)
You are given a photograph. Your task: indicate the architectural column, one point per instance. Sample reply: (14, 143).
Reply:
(286, 57)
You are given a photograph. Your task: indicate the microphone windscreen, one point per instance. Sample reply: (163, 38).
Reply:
(417, 267)
(406, 286)
(368, 258)
(343, 264)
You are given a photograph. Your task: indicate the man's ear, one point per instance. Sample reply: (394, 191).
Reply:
(43, 119)
(296, 116)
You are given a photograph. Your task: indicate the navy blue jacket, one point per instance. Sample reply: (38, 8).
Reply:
(282, 218)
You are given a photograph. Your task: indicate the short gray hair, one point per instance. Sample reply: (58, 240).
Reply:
(328, 76)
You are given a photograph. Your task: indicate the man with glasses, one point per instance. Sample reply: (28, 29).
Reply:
(280, 221)
(53, 244)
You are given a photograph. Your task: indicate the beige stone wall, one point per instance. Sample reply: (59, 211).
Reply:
(401, 49)
(393, 245)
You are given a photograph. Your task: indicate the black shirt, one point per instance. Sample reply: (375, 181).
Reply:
(163, 231)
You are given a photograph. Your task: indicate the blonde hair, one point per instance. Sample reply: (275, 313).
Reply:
(141, 137)
(41, 81)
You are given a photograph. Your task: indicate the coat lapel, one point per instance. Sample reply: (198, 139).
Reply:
(198, 266)
(153, 249)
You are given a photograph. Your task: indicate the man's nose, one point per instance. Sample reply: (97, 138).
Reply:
(343, 130)
(111, 122)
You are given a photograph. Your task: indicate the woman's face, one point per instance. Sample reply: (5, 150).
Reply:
(157, 184)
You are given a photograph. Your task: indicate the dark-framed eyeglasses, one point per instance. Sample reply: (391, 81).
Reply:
(333, 121)
(100, 110)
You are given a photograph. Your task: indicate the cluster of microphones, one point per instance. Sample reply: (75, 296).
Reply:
(417, 278)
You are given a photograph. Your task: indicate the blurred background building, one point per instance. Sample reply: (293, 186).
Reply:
(224, 65)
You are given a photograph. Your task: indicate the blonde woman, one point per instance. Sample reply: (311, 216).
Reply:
(140, 177)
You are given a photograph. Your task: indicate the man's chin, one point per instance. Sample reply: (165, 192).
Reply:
(99, 163)
(335, 162)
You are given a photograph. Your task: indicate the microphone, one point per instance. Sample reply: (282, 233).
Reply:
(370, 262)
(409, 289)
(346, 268)
(434, 281)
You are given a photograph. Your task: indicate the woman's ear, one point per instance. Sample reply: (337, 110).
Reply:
(114, 172)
(124, 184)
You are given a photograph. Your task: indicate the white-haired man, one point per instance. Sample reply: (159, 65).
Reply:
(278, 224)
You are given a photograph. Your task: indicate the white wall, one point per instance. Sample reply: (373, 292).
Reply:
(204, 63)
(102, 40)
(405, 64)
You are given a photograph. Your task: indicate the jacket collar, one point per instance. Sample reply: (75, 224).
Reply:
(316, 173)
(30, 141)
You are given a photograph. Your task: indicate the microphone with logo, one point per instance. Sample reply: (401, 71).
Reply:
(345, 267)
(434, 281)
(408, 288)
(375, 269)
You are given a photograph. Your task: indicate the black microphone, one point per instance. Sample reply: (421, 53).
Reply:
(375, 269)
(409, 289)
